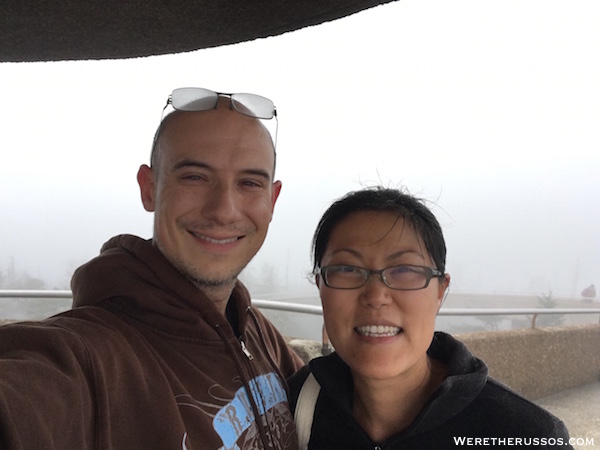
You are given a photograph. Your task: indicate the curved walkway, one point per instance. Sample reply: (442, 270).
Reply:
(579, 409)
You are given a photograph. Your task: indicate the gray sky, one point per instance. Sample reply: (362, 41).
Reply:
(490, 109)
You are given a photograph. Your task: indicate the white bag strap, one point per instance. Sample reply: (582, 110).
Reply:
(305, 410)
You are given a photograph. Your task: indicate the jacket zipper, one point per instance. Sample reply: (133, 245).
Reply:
(247, 374)
(245, 350)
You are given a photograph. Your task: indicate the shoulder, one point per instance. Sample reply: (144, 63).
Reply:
(34, 336)
(35, 355)
(516, 415)
(73, 331)
(332, 375)
(86, 347)
(29, 336)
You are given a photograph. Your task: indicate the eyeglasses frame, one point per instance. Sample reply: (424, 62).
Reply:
(231, 106)
(430, 273)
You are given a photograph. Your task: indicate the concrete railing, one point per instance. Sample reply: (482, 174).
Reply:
(542, 361)
(533, 362)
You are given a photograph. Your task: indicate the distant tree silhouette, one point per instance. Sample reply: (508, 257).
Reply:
(545, 320)
(23, 281)
(27, 308)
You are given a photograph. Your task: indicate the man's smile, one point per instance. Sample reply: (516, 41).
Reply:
(222, 241)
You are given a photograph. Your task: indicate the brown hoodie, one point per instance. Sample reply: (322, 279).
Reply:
(144, 361)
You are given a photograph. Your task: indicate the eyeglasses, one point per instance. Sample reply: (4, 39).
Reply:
(401, 278)
(200, 99)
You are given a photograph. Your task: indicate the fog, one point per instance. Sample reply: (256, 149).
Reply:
(488, 109)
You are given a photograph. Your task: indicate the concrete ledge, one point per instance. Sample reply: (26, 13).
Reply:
(305, 349)
(542, 361)
(533, 362)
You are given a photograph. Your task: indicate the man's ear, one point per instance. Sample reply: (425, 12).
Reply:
(145, 178)
(276, 189)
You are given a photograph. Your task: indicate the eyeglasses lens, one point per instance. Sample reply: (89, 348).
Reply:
(253, 105)
(344, 277)
(199, 99)
(193, 99)
(398, 277)
(405, 277)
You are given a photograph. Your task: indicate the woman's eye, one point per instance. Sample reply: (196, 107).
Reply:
(405, 272)
(344, 269)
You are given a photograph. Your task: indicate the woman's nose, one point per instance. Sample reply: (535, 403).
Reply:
(375, 293)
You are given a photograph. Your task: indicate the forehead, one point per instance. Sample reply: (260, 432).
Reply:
(380, 231)
(216, 133)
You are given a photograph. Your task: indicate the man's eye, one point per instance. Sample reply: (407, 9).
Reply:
(252, 183)
(193, 177)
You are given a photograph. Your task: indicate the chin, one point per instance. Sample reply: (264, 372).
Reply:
(379, 366)
(378, 374)
(206, 276)
(215, 279)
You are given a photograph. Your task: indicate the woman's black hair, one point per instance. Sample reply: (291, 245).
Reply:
(379, 199)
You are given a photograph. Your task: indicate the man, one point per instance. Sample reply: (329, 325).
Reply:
(163, 349)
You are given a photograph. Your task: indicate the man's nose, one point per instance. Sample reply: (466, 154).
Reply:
(375, 293)
(223, 205)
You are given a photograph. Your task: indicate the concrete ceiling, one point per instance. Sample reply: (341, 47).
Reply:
(53, 30)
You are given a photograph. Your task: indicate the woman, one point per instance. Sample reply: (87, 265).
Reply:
(392, 383)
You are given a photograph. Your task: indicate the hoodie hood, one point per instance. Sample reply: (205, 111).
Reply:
(132, 275)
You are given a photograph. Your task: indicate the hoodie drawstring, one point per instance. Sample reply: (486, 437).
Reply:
(269, 357)
(263, 341)
(245, 377)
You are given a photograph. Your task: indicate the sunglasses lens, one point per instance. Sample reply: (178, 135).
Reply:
(193, 99)
(253, 105)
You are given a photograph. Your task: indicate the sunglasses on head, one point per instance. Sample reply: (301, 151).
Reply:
(200, 99)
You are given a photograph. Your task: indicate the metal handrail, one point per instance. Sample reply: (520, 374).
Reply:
(35, 294)
(317, 310)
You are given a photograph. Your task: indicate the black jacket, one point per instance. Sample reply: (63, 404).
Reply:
(468, 410)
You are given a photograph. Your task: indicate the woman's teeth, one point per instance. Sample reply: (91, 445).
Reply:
(378, 331)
